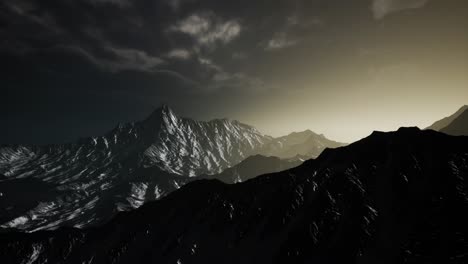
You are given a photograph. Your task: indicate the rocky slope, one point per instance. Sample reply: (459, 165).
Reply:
(398, 197)
(90, 180)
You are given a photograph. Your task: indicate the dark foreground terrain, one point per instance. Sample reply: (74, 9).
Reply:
(399, 197)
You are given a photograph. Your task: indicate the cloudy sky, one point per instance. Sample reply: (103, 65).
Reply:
(73, 68)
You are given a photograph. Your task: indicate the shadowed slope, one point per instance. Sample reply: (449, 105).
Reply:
(439, 125)
(459, 126)
(398, 197)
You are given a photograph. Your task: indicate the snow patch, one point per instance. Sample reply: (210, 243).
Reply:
(16, 223)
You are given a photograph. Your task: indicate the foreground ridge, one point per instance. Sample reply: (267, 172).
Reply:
(397, 197)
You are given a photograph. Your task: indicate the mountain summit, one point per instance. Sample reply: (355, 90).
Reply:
(188, 147)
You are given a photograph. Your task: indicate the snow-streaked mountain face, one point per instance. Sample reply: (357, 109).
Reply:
(397, 197)
(88, 181)
(188, 147)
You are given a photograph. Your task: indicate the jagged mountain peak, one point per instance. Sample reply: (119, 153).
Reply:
(160, 112)
(190, 147)
(166, 115)
(167, 111)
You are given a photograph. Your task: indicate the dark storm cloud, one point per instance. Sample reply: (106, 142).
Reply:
(79, 66)
(120, 3)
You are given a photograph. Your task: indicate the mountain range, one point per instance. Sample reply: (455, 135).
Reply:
(396, 197)
(303, 144)
(87, 182)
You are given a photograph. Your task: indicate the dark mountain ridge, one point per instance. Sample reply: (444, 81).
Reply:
(397, 197)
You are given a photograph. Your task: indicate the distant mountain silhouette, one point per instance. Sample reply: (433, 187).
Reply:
(397, 197)
(306, 144)
(88, 181)
(439, 125)
(459, 126)
(254, 166)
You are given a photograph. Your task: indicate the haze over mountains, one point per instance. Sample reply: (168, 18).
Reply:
(91, 172)
(254, 166)
(88, 181)
(398, 197)
(306, 144)
(388, 198)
